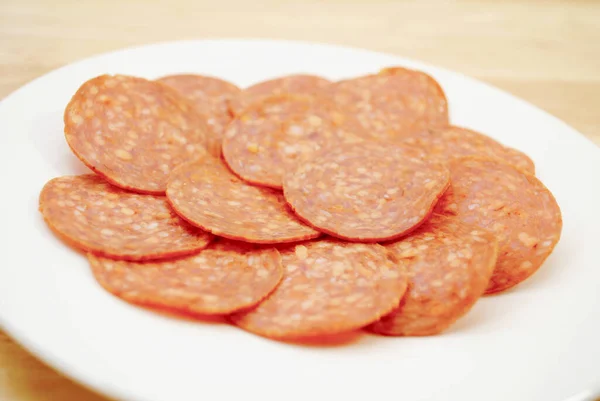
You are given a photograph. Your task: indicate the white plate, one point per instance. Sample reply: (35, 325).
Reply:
(538, 342)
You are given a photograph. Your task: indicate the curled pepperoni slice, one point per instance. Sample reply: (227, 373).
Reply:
(449, 265)
(515, 206)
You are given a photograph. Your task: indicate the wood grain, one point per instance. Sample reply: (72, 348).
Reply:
(545, 52)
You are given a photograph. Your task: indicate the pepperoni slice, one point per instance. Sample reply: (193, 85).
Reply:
(97, 217)
(328, 287)
(446, 143)
(219, 280)
(515, 206)
(449, 265)
(211, 97)
(291, 84)
(395, 103)
(274, 134)
(365, 192)
(132, 131)
(208, 195)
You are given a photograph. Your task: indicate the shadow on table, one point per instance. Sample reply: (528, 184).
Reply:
(27, 378)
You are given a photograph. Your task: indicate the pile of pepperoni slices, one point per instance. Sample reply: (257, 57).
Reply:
(297, 207)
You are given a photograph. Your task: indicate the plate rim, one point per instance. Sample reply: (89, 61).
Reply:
(266, 40)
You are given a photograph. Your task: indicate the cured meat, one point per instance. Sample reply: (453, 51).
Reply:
(445, 143)
(274, 134)
(97, 217)
(291, 84)
(365, 192)
(449, 265)
(515, 206)
(328, 287)
(132, 131)
(219, 280)
(211, 97)
(208, 195)
(395, 103)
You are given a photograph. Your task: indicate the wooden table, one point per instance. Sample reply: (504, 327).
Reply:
(545, 52)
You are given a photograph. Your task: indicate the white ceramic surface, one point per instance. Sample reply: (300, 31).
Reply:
(540, 341)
